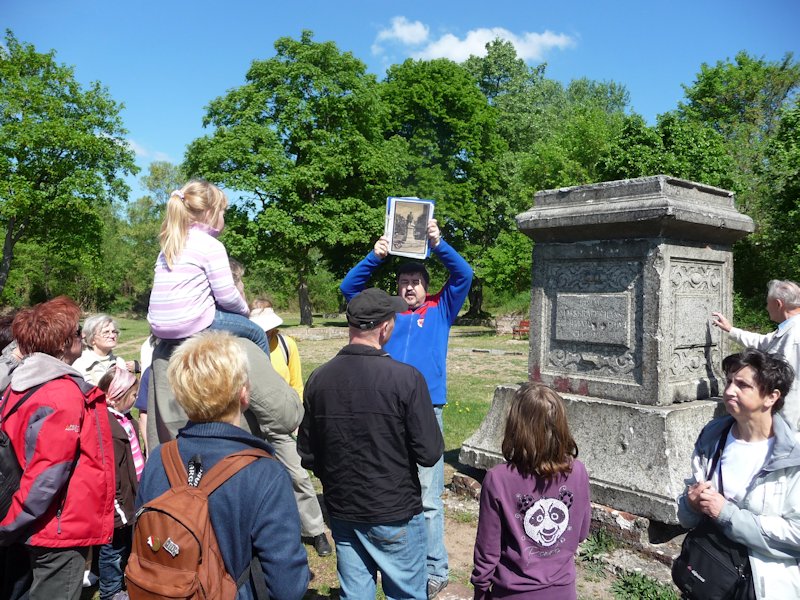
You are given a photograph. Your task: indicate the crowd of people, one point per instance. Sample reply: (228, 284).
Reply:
(218, 381)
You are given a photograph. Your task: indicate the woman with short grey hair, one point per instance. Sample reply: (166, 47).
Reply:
(100, 337)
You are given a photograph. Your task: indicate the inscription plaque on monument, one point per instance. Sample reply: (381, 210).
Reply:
(593, 319)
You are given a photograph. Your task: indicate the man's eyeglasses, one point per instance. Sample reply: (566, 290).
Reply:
(108, 334)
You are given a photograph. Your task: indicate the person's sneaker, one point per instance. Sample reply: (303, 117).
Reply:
(435, 586)
(121, 595)
(321, 545)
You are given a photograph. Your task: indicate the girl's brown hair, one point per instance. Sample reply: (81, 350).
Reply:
(537, 440)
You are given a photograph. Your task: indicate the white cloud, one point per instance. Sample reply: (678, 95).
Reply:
(530, 46)
(141, 152)
(405, 31)
(137, 148)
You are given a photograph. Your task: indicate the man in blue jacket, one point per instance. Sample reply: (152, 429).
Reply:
(420, 339)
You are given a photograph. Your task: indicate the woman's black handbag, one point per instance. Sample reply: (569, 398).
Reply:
(711, 566)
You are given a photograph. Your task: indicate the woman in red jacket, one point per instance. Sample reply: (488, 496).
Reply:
(62, 439)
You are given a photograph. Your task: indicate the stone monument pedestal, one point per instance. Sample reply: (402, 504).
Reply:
(625, 277)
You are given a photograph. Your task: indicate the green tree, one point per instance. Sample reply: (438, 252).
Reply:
(62, 150)
(133, 243)
(302, 138)
(777, 238)
(450, 129)
(744, 100)
(675, 146)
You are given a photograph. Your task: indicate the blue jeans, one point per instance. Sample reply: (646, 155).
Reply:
(394, 549)
(431, 480)
(111, 562)
(240, 326)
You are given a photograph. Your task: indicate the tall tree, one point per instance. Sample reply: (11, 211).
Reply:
(302, 137)
(744, 100)
(62, 151)
(451, 132)
(136, 235)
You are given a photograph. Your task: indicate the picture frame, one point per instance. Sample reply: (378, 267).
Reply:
(406, 226)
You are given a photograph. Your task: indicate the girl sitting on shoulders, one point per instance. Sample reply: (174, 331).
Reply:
(193, 288)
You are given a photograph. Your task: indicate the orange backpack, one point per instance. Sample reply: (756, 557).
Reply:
(175, 553)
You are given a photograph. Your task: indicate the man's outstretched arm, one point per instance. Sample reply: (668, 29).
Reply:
(357, 278)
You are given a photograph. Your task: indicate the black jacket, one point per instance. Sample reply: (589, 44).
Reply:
(368, 423)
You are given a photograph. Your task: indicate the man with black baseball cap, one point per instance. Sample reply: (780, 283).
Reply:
(420, 339)
(368, 423)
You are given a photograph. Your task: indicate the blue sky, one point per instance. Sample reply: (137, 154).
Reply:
(165, 60)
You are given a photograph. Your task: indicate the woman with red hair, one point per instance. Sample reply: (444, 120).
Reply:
(62, 439)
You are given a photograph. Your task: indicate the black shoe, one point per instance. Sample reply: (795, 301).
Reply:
(435, 586)
(321, 545)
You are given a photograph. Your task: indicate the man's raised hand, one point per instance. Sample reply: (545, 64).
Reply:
(434, 235)
(381, 248)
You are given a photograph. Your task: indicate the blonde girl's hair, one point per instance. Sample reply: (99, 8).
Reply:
(537, 439)
(196, 202)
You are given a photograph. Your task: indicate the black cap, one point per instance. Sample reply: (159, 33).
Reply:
(372, 307)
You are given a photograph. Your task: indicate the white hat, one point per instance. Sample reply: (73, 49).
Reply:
(265, 318)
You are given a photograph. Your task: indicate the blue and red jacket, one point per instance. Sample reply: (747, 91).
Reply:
(420, 335)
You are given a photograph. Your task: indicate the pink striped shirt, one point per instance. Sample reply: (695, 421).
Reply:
(136, 450)
(185, 297)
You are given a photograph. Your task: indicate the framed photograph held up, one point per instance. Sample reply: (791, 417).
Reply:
(407, 226)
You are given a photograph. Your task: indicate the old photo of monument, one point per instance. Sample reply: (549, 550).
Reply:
(406, 226)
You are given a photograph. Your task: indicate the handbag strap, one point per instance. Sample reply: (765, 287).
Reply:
(718, 455)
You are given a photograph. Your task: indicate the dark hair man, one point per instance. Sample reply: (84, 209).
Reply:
(368, 423)
(420, 339)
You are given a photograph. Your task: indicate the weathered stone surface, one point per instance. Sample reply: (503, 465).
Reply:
(484, 448)
(637, 456)
(630, 321)
(648, 207)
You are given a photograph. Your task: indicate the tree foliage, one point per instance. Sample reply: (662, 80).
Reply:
(62, 151)
(303, 138)
(450, 130)
(310, 145)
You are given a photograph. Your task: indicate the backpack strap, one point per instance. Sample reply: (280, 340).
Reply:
(229, 466)
(254, 573)
(19, 403)
(173, 465)
(284, 348)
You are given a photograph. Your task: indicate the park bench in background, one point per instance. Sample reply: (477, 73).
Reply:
(523, 328)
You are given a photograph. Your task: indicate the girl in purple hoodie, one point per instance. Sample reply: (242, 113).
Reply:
(534, 508)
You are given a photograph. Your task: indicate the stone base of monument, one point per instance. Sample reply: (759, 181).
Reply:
(637, 456)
